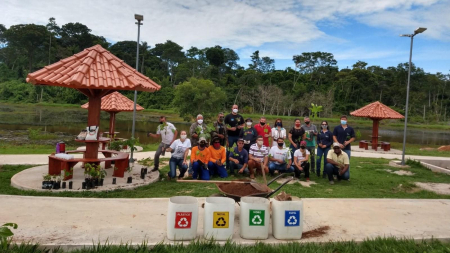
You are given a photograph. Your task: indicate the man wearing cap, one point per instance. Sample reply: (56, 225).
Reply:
(197, 128)
(249, 134)
(280, 158)
(338, 164)
(216, 164)
(200, 156)
(238, 158)
(258, 157)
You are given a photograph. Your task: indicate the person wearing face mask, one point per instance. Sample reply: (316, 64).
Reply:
(344, 135)
(220, 130)
(277, 132)
(301, 161)
(264, 130)
(200, 156)
(338, 164)
(296, 135)
(258, 157)
(238, 158)
(324, 140)
(197, 128)
(249, 134)
(311, 133)
(280, 158)
(234, 122)
(168, 133)
(180, 149)
(218, 157)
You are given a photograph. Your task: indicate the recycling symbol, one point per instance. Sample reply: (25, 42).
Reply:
(257, 220)
(292, 220)
(221, 222)
(183, 222)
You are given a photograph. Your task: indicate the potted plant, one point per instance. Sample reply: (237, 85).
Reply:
(47, 184)
(102, 174)
(129, 179)
(87, 176)
(68, 173)
(56, 182)
(115, 145)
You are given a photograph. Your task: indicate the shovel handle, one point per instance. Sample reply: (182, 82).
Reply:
(275, 178)
(213, 181)
(279, 187)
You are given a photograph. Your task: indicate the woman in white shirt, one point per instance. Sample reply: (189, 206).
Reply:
(301, 164)
(278, 132)
(180, 150)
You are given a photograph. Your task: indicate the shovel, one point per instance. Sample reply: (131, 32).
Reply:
(257, 186)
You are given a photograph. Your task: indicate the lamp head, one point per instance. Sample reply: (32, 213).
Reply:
(420, 30)
(139, 17)
(405, 35)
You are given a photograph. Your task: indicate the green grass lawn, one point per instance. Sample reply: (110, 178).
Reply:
(368, 180)
(368, 246)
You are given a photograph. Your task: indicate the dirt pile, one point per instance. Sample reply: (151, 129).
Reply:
(318, 232)
(444, 148)
(238, 189)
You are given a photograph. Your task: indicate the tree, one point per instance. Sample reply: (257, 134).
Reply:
(360, 65)
(198, 96)
(263, 65)
(215, 56)
(171, 55)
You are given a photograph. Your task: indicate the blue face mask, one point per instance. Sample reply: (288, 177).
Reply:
(343, 122)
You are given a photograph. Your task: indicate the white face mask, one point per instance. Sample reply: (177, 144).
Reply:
(200, 121)
(249, 123)
(235, 110)
(260, 143)
(183, 136)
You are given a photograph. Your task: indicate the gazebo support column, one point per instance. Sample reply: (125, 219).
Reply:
(112, 120)
(376, 123)
(93, 120)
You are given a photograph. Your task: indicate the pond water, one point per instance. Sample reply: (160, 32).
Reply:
(72, 120)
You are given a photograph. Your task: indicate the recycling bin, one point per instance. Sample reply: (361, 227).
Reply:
(287, 219)
(218, 220)
(254, 218)
(182, 218)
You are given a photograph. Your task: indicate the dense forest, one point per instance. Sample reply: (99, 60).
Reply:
(214, 72)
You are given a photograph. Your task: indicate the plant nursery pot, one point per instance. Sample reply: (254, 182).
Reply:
(114, 181)
(70, 184)
(56, 185)
(93, 184)
(145, 171)
(96, 182)
(113, 162)
(83, 185)
(142, 174)
(101, 182)
(63, 185)
(129, 180)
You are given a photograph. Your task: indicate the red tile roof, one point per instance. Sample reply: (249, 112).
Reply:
(93, 68)
(116, 102)
(377, 110)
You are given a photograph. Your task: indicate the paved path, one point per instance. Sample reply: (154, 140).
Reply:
(43, 159)
(75, 222)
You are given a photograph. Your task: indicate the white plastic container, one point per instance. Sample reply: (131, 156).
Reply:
(182, 218)
(218, 221)
(287, 219)
(254, 218)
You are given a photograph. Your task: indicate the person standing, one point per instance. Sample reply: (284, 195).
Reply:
(277, 132)
(197, 128)
(311, 133)
(280, 158)
(344, 135)
(168, 133)
(258, 157)
(296, 135)
(263, 129)
(234, 122)
(220, 130)
(324, 142)
(238, 158)
(338, 164)
(180, 149)
(199, 159)
(216, 164)
(301, 161)
(248, 134)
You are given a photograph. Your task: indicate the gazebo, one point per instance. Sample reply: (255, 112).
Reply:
(376, 111)
(95, 72)
(113, 104)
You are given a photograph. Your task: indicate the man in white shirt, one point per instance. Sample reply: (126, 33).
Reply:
(280, 158)
(168, 133)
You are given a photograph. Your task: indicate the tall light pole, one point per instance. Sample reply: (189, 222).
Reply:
(139, 19)
(417, 31)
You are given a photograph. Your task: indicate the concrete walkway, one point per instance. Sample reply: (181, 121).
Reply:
(356, 152)
(76, 222)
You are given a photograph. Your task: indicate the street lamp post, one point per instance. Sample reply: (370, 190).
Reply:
(139, 19)
(417, 31)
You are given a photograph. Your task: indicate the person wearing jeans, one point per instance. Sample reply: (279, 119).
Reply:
(199, 159)
(311, 133)
(168, 133)
(216, 164)
(338, 164)
(280, 158)
(238, 158)
(234, 122)
(324, 140)
(180, 150)
(301, 161)
(344, 135)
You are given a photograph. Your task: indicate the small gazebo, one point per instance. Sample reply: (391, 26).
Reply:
(113, 104)
(376, 111)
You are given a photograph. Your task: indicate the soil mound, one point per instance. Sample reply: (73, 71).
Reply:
(238, 189)
(318, 232)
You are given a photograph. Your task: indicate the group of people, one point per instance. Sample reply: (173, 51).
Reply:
(237, 145)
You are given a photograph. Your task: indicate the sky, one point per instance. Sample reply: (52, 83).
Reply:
(352, 30)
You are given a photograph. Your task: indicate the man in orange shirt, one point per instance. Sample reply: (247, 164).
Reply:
(217, 159)
(264, 130)
(200, 156)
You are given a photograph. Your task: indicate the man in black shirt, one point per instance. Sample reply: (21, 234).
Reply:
(220, 130)
(234, 122)
(345, 135)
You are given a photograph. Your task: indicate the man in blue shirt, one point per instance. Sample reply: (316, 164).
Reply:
(345, 135)
(238, 158)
